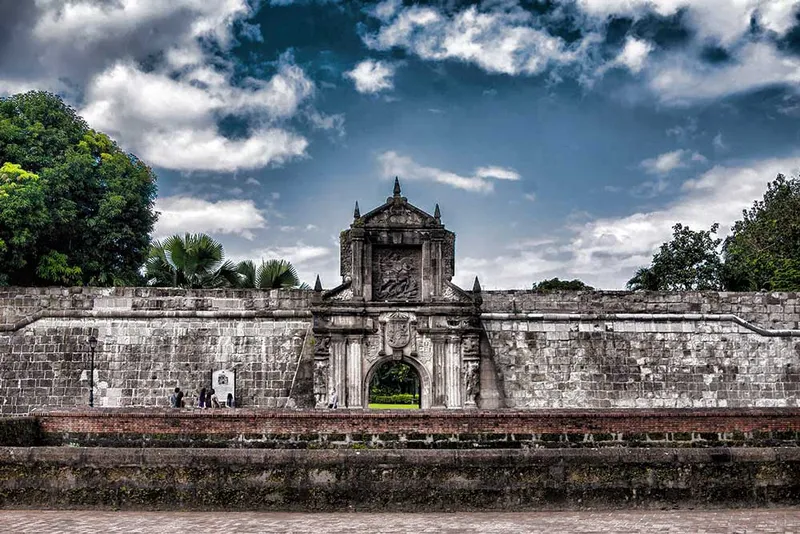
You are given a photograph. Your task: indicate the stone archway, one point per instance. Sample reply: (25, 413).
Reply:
(422, 373)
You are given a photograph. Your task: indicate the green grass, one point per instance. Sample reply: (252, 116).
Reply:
(394, 406)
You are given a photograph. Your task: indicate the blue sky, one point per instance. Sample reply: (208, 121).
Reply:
(560, 137)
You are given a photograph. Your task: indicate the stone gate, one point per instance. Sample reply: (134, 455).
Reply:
(397, 302)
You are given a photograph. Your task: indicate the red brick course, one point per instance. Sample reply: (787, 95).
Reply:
(216, 422)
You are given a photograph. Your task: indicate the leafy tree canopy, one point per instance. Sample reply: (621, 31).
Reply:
(763, 251)
(191, 261)
(690, 261)
(74, 208)
(271, 274)
(555, 284)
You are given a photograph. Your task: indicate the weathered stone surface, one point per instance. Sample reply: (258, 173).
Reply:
(411, 480)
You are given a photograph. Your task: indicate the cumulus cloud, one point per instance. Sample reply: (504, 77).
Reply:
(372, 76)
(179, 214)
(634, 54)
(669, 161)
(503, 41)
(393, 164)
(724, 21)
(681, 79)
(143, 71)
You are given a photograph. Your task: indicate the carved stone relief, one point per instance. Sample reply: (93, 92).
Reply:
(396, 216)
(398, 331)
(396, 273)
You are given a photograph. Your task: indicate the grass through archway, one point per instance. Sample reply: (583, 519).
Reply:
(395, 386)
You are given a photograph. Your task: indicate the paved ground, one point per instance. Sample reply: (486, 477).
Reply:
(739, 521)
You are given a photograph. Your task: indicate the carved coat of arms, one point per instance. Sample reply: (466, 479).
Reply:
(398, 331)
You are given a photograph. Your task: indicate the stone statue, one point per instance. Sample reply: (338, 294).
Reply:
(472, 382)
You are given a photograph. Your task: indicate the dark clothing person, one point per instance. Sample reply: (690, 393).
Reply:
(229, 400)
(176, 399)
(202, 403)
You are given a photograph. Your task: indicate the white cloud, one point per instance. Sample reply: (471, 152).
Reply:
(530, 196)
(634, 54)
(180, 214)
(372, 76)
(393, 164)
(680, 79)
(498, 41)
(498, 173)
(171, 122)
(669, 161)
(252, 181)
(724, 21)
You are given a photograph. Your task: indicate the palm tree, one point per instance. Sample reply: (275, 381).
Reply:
(191, 261)
(271, 274)
(645, 278)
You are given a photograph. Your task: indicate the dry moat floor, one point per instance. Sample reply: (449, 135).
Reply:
(784, 520)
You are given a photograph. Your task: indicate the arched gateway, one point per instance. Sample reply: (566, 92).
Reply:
(397, 303)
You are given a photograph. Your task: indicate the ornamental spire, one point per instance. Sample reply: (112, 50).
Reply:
(396, 186)
(356, 212)
(318, 285)
(437, 214)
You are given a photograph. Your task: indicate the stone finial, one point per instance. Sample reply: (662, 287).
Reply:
(476, 287)
(318, 284)
(356, 212)
(396, 186)
(437, 214)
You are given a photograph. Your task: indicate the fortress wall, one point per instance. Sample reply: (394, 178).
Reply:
(149, 341)
(645, 349)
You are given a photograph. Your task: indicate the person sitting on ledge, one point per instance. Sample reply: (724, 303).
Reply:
(334, 402)
(213, 400)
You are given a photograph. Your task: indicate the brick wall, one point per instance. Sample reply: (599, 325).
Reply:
(429, 429)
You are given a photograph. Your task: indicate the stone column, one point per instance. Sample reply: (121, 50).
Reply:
(339, 368)
(354, 372)
(453, 371)
(439, 377)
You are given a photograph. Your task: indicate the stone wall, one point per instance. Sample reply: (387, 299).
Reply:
(644, 349)
(392, 480)
(149, 341)
(537, 350)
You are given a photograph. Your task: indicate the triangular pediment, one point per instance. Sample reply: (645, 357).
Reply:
(398, 212)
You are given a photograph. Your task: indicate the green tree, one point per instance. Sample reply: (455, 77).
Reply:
(690, 261)
(22, 217)
(271, 274)
(555, 284)
(98, 206)
(763, 250)
(192, 261)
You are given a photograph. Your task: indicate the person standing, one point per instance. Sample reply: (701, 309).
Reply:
(202, 403)
(334, 400)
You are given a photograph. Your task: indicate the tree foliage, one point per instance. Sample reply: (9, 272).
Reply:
(271, 274)
(394, 378)
(690, 261)
(763, 251)
(191, 261)
(554, 284)
(74, 208)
